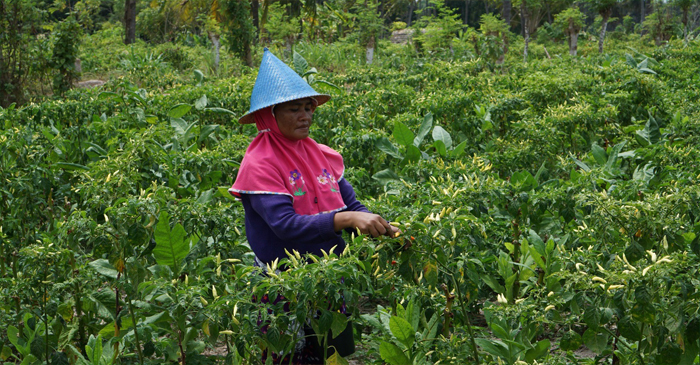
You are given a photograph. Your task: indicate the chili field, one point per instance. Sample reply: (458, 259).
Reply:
(550, 214)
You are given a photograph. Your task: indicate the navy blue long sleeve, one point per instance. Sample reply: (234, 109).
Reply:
(272, 225)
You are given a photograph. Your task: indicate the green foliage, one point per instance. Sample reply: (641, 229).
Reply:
(550, 206)
(569, 21)
(493, 41)
(367, 25)
(436, 32)
(280, 28)
(239, 26)
(67, 37)
(17, 18)
(659, 25)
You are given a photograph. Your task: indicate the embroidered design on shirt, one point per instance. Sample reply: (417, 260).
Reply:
(294, 178)
(328, 178)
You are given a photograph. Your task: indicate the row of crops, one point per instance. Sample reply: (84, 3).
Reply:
(550, 213)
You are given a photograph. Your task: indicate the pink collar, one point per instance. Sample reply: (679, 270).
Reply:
(306, 171)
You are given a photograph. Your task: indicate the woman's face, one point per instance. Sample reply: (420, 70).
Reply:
(294, 118)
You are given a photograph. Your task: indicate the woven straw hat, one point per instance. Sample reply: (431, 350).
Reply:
(277, 83)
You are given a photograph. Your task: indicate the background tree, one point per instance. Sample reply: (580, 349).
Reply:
(685, 6)
(659, 24)
(65, 50)
(494, 41)
(368, 26)
(280, 27)
(438, 29)
(129, 21)
(239, 25)
(18, 18)
(604, 8)
(570, 22)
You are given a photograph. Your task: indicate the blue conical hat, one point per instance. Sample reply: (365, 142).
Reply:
(277, 83)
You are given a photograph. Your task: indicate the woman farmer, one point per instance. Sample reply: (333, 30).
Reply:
(292, 188)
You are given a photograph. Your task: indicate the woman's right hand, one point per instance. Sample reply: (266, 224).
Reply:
(367, 223)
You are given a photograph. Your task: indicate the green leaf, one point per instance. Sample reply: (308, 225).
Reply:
(595, 341)
(611, 164)
(670, 354)
(220, 111)
(392, 354)
(439, 134)
(424, 129)
(592, 317)
(223, 191)
(29, 360)
(431, 329)
(650, 134)
(103, 267)
(499, 331)
(599, 154)
(385, 145)
(171, 247)
(495, 348)
(412, 154)
(386, 176)
(634, 252)
(402, 330)
(179, 110)
(201, 103)
(580, 164)
(94, 349)
(300, 64)
(13, 336)
(198, 77)
(692, 330)
(523, 181)
(5, 353)
(459, 150)
(493, 283)
(71, 166)
(629, 329)
(340, 322)
(325, 321)
(206, 131)
(336, 359)
(430, 273)
(402, 134)
(541, 349)
(440, 148)
(570, 341)
(107, 95)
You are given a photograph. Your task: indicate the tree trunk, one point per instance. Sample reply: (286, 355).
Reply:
(684, 20)
(130, 21)
(524, 16)
(507, 6)
(217, 46)
(248, 55)
(254, 6)
(369, 55)
(606, 15)
(573, 39)
(409, 16)
(486, 6)
(641, 16)
(549, 12)
(465, 13)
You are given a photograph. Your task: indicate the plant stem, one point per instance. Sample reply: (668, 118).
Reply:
(46, 318)
(617, 338)
(325, 347)
(466, 315)
(133, 320)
